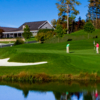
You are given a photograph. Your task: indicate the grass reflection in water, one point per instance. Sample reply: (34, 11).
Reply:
(60, 90)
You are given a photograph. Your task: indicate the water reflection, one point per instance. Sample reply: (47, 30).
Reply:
(85, 95)
(25, 93)
(49, 91)
(9, 93)
(72, 96)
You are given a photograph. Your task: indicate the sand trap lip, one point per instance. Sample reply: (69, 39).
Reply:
(4, 62)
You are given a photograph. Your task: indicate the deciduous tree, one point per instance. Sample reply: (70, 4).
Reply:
(65, 8)
(89, 28)
(27, 34)
(54, 23)
(1, 32)
(59, 31)
(94, 12)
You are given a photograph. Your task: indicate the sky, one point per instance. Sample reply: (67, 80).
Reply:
(13, 13)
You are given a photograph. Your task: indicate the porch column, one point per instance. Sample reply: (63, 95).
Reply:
(17, 34)
(13, 35)
(9, 35)
(21, 34)
(5, 35)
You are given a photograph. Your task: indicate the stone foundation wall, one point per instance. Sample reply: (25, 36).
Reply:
(10, 39)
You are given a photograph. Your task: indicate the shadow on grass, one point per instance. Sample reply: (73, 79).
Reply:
(72, 52)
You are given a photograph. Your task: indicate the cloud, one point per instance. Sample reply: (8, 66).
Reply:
(8, 25)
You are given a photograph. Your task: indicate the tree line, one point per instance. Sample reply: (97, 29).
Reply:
(67, 14)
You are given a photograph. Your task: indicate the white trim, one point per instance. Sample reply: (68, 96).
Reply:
(19, 32)
(45, 23)
(34, 31)
(50, 24)
(13, 32)
(42, 24)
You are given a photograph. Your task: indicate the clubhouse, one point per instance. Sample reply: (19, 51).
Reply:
(10, 32)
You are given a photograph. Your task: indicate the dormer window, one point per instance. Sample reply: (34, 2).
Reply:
(23, 27)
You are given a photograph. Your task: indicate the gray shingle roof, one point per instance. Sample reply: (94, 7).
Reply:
(8, 29)
(32, 26)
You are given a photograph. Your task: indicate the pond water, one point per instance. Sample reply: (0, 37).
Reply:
(49, 91)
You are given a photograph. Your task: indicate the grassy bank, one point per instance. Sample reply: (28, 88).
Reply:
(25, 77)
(78, 35)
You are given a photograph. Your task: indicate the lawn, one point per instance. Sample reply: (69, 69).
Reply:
(31, 39)
(82, 58)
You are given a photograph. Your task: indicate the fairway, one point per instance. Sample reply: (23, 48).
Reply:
(81, 59)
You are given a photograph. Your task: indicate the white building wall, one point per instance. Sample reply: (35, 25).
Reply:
(34, 34)
(46, 26)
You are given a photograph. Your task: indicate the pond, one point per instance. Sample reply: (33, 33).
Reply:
(49, 91)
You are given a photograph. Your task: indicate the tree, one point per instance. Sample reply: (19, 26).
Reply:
(94, 12)
(54, 22)
(65, 8)
(59, 31)
(42, 36)
(80, 23)
(89, 28)
(1, 33)
(25, 92)
(27, 34)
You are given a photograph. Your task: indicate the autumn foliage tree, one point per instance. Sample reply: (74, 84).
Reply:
(54, 23)
(44, 34)
(94, 12)
(1, 33)
(67, 7)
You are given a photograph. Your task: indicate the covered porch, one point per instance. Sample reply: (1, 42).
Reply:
(12, 34)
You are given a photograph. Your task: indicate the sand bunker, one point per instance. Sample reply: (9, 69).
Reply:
(4, 62)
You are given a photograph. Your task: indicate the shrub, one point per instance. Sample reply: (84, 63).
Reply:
(44, 36)
(45, 30)
(19, 41)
